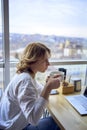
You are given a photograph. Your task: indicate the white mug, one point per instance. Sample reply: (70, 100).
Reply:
(61, 74)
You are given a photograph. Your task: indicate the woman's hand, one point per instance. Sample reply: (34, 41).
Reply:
(51, 83)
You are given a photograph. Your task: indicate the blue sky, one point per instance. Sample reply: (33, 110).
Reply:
(52, 17)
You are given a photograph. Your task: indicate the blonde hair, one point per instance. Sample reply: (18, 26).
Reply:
(31, 54)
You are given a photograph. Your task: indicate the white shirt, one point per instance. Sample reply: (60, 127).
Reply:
(21, 103)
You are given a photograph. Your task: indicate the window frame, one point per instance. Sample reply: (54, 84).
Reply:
(6, 64)
(5, 38)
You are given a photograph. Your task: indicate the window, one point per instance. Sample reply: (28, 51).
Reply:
(60, 24)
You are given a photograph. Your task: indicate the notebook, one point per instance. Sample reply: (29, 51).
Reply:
(79, 102)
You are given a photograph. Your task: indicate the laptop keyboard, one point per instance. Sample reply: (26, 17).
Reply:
(82, 101)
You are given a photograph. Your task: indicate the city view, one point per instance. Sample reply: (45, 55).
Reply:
(63, 48)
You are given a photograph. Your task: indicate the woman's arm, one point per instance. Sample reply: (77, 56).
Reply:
(52, 83)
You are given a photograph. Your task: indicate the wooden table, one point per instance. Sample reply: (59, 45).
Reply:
(64, 114)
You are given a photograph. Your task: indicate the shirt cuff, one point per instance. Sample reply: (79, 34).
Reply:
(43, 101)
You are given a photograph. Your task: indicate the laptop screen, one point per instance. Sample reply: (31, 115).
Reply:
(85, 93)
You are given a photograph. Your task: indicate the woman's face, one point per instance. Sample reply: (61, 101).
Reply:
(41, 65)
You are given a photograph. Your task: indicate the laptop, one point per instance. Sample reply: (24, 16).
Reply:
(79, 102)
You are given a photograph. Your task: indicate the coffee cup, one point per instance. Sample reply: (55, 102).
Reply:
(59, 73)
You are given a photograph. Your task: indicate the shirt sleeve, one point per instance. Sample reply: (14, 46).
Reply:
(39, 87)
(30, 103)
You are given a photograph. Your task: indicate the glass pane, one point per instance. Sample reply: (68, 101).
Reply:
(60, 24)
(72, 71)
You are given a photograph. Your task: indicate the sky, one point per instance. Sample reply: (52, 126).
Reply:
(49, 17)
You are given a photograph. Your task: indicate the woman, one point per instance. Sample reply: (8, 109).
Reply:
(24, 99)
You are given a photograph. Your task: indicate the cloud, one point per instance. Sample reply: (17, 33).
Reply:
(67, 17)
